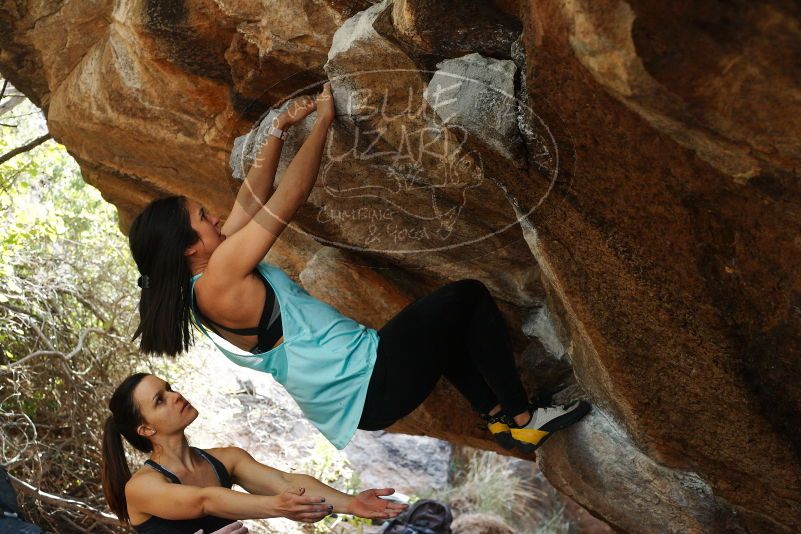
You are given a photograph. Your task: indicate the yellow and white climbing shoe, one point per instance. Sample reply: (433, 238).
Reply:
(545, 421)
(498, 426)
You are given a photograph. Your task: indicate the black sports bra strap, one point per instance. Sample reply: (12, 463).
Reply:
(241, 331)
(265, 314)
(174, 479)
(219, 468)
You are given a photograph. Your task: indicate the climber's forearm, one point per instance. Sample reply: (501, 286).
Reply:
(301, 174)
(259, 182)
(258, 185)
(240, 253)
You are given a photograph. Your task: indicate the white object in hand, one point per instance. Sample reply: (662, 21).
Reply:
(396, 497)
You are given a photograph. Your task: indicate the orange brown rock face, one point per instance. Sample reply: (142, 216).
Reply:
(652, 263)
(678, 272)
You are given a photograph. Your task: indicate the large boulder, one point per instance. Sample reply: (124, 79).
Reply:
(671, 252)
(624, 176)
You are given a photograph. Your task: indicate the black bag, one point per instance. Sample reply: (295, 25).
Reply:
(426, 516)
(8, 497)
(11, 521)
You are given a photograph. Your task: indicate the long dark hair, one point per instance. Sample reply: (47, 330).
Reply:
(158, 238)
(122, 423)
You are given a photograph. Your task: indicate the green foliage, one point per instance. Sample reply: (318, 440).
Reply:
(58, 240)
(44, 197)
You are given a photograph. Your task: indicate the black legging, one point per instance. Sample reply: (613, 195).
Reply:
(456, 331)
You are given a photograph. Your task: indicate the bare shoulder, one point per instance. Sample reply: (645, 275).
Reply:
(227, 292)
(217, 295)
(229, 456)
(143, 479)
(209, 286)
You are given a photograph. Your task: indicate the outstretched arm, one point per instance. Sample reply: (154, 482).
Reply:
(239, 254)
(258, 185)
(261, 479)
(152, 495)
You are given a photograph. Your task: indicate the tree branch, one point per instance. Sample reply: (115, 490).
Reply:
(78, 348)
(24, 148)
(12, 99)
(63, 502)
(89, 304)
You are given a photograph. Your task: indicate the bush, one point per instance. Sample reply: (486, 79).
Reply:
(67, 299)
(485, 485)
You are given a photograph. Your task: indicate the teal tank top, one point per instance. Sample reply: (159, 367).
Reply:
(325, 361)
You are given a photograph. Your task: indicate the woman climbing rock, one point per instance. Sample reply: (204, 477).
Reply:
(342, 374)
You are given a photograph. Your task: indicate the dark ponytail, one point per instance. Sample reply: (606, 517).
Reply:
(123, 422)
(158, 238)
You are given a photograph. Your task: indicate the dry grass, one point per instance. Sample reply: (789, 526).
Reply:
(495, 485)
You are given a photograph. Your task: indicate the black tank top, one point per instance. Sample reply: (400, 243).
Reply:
(209, 523)
(269, 330)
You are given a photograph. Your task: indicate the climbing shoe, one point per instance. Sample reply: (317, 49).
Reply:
(498, 426)
(544, 422)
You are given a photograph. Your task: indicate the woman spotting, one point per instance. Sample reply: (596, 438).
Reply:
(183, 489)
(342, 374)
